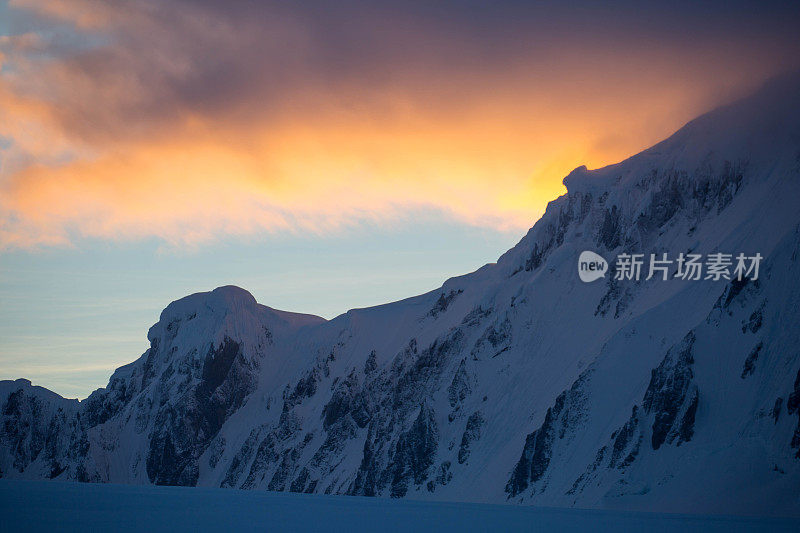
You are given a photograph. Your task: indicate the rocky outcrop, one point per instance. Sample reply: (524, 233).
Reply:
(414, 453)
(41, 431)
(749, 365)
(471, 434)
(793, 406)
(186, 426)
(671, 397)
(560, 423)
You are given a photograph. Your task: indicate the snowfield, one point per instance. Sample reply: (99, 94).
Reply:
(57, 506)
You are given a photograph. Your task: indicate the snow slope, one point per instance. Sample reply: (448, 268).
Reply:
(41, 506)
(516, 382)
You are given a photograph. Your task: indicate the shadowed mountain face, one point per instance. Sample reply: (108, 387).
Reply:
(517, 382)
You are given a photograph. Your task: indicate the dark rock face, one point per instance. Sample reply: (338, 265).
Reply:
(443, 302)
(671, 397)
(609, 233)
(240, 460)
(103, 404)
(755, 321)
(398, 460)
(287, 464)
(560, 421)
(793, 406)
(667, 414)
(674, 193)
(471, 434)
(22, 428)
(367, 480)
(44, 429)
(388, 404)
(535, 454)
(776, 409)
(173, 399)
(265, 455)
(552, 235)
(459, 388)
(371, 364)
(185, 427)
(750, 363)
(443, 477)
(414, 453)
(342, 401)
(494, 341)
(167, 407)
(627, 441)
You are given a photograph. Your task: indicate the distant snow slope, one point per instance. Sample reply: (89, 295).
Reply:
(516, 382)
(41, 506)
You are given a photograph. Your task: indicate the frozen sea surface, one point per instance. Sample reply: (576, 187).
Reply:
(53, 506)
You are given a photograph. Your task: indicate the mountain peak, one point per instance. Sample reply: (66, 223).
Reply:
(515, 383)
(221, 298)
(752, 128)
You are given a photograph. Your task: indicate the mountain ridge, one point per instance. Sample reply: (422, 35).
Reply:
(516, 382)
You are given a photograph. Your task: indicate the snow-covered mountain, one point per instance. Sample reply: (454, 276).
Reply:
(517, 382)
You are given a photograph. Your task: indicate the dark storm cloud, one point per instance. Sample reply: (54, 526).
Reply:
(163, 59)
(307, 114)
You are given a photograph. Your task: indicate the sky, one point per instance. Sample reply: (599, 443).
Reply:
(323, 155)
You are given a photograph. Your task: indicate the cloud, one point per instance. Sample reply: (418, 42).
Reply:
(192, 121)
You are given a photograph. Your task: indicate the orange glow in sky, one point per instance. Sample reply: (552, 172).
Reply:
(145, 132)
